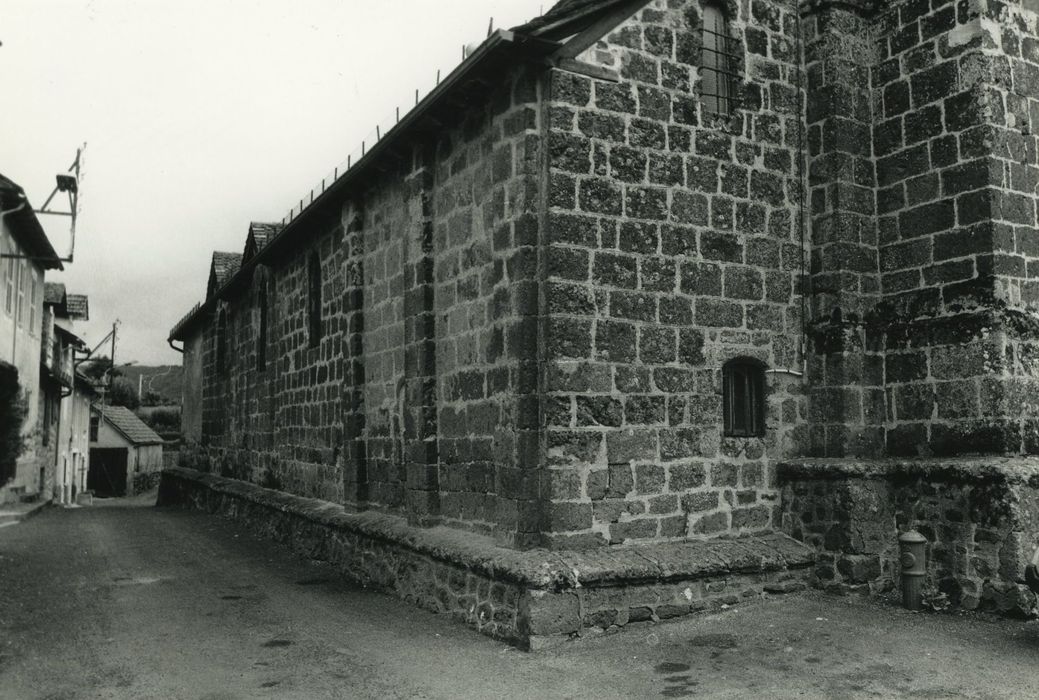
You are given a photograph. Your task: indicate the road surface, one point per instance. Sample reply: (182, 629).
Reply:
(124, 600)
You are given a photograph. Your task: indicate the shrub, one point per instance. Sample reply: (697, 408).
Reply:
(13, 409)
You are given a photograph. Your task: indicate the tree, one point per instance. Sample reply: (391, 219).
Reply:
(122, 393)
(96, 367)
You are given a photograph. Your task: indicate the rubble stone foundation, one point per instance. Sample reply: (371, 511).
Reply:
(532, 599)
(980, 517)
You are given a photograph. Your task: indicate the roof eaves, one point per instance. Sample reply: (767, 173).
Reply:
(500, 41)
(25, 226)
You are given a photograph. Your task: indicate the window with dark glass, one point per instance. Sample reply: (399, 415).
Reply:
(95, 425)
(718, 62)
(743, 398)
(314, 298)
(261, 338)
(221, 341)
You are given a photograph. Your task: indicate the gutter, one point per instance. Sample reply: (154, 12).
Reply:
(501, 41)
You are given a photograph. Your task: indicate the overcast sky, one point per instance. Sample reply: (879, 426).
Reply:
(200, 116)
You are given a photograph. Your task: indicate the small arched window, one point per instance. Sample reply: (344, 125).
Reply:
(261, 336)
(221, 341)
(717, 62)
(743, 398)
(314, 298)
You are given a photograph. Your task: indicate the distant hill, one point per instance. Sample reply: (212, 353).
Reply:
(163, 380)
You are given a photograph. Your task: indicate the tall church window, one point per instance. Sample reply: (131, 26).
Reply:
(717, 62)
(743, 398)
(221, 341)
(261, 339)
(314, 298)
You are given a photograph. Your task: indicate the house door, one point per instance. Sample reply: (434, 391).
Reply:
(107, 474)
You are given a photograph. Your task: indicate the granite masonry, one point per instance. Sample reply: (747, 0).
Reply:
(662, 273)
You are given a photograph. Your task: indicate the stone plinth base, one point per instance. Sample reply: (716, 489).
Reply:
(531, 598)
(980, 516)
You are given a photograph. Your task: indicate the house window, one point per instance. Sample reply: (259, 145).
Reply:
(95, 425)
(32, 303)
(743, 398)
(21, 295)
(221, 341)
(314, 298)
(261, 340)
(717, 62)
(9, 295)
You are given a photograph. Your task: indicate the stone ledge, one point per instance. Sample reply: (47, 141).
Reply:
(530, 598)
(1010, 469)
(538, 568)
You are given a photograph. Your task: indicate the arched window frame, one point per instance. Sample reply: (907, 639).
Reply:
(314, 298)
(743, 397)
(721, 61)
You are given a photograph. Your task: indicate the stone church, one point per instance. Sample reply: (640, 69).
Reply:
(648, 306)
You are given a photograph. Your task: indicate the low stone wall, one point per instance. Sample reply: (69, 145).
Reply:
(980, 517)
(532, 598)
(145, 481)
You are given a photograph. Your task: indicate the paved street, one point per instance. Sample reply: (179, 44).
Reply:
(123, 600)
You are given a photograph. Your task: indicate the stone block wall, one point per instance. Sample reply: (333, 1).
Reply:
(673, 246)
(528, 301)
(980, 518)
(921, 320)
(420, 396)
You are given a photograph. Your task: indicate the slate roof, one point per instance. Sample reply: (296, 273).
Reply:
(129, 425)
(53, 293)
(78, 307)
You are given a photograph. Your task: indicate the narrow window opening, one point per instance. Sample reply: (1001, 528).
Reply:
(743, 398)
(314, 297)
(717, 62)
(261, 340)
(221, 342)
(95, 426)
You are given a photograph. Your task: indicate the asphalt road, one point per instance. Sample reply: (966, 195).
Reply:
(124, 600)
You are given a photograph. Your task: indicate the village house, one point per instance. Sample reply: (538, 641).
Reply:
(25, 255)
(66, 417)
(669, 301)
(125, 454)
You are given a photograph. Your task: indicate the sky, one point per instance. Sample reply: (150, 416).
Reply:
(200, 116)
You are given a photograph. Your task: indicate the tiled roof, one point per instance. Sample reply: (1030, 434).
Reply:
(225, 265)
(78, 307)
(53, 293)
(126, 422)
